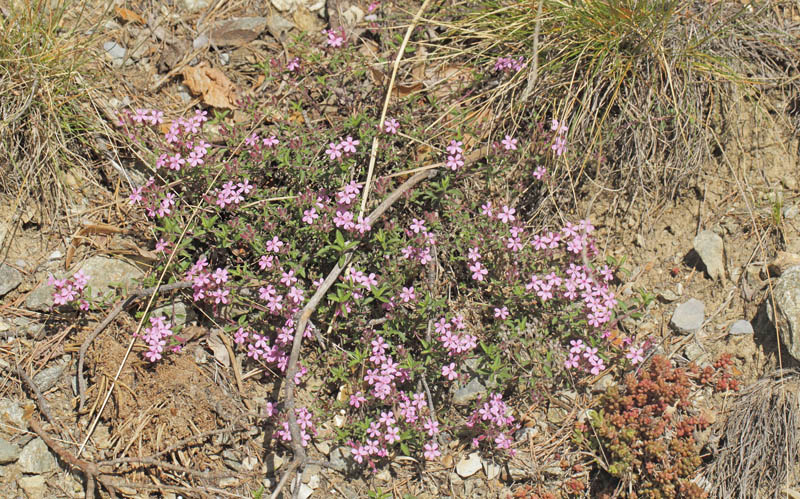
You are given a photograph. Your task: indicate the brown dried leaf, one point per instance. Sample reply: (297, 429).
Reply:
(398, 90)
(129, 16)
(217, 90)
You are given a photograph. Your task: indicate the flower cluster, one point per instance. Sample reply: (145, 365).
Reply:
(495, 423)
(341, 149)
(509, 64)
(232, 194)
(455, 342)
(156, 337)
(585, 357)
(559, 146)
(335, 38)
(70, 290)
(455, 160)
(423, 243)
(208, 286)
(304, 421)
(405, 411)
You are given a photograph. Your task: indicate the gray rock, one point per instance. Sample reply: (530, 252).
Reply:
(709, 246)
(339, 458)
(468, 393)
(195, 5)
(11, 412)
(523, 434)
(491, 469)
(469, 465)
(115, 51)
(176, 313)
(36, 458)
(47, 378)
(786, 296)
(106, 272)
(305, 491)
(688, 317)
(33, 486)
(694, 352)
(741, 327)
(8, 452)
(40, 299)
(10, 278)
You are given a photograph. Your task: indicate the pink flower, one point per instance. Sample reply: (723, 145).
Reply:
(501, 313)
(554, 126)
(334, 39)
(310, 215)
(635, 355)
(478, 272)
(392, 434)
(334, 150)
(507, 215)
(407, 294)
(559, 146)
(455, 147)
(473, 254)
(431, 451)
(449, 372)
(486, 209)
(509, 143)
(418, 226)
(349, 145)
(293, 65)
(455, 162)
(539, 172)
(357, 399)
(391, 125)
(136, 196)
(271, 141)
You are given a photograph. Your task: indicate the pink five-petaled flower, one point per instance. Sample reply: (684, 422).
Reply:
(335, 39)
(635, 355)
(392, 434)
(509, 143)
(559, 146)
(407, 294)
(418, 226)
(486, 209)
(357, 399)
(501, 313)
(539, 172)
(554, 126)
(348, 145)
(310, 215)
(432, 451)
(478, 271)
(455, 147)
(474, 254)
(334, 150)
(391, 125)
(449, 372)
(572, 361)
(507, 215)
(455, 162)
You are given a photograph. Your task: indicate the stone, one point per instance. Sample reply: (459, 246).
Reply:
(176, 313)
(305, 491)
(237, 31)
(688, 317)
(283, 5)
(694, 352)
(491, 469)
(196, 5)
(33, 486)
(339, 458)
(40, 299)
(524, 434)
(468, 393)
(323, 447)
(47, 378)
(313, 482)
(384, 475)
(104, 272)
(741, 327)
(115, 51)
(8, 452)
(786, 301)
(667, 296)
(469, 465)
(12, 413)
(709, 246)
(36, 458)
(10, 278)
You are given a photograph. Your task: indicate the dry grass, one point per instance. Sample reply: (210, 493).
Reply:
(759, 444)
(44, 125)
(640, 83)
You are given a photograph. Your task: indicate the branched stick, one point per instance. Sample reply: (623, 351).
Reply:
(40, 401)
(108, 320)
(305, 315)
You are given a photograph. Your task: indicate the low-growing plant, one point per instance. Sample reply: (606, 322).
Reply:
(645, 429)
